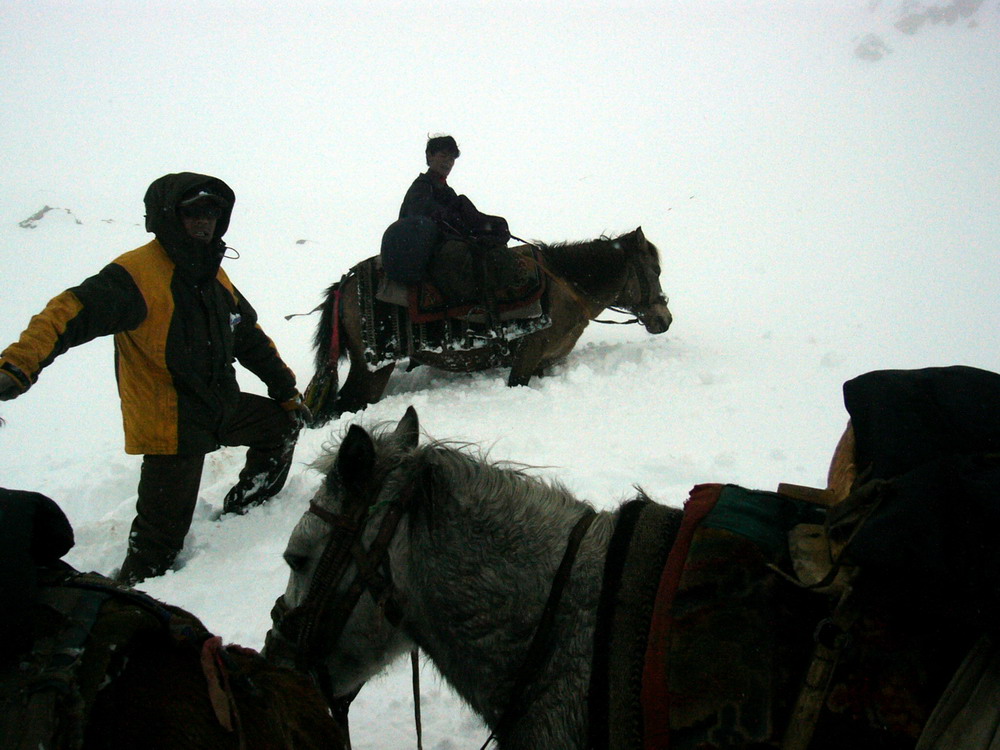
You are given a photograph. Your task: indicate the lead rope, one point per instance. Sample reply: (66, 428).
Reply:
(832, 635)
(415, 661)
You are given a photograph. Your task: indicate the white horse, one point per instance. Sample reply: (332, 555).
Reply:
(471, 566)
(505, 580)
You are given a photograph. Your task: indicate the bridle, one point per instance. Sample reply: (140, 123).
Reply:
(646, 297)
(318, 622)
(320, 619)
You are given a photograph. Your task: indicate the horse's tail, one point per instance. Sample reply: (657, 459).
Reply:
(329, 321)
(321, 394)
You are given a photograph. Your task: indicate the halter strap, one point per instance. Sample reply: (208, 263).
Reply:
(539, 651)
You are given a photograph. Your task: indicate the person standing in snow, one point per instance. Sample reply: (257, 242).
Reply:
(178, 324)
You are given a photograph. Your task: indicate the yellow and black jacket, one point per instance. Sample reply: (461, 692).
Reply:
(179, 325)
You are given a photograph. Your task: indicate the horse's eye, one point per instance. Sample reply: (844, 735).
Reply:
(296, 562)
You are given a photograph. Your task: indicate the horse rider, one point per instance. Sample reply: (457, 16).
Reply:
(179, 323)
(430, 195)
(443, 235)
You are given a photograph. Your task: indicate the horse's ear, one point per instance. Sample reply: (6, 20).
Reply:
(408, 429)
(356, 459)
(640, 235)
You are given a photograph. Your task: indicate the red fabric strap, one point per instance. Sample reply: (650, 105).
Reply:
(218, 681)
(655, 693)
(334, 357)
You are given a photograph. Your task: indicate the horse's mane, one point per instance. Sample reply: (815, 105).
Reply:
(463, 465)
(466, 465)
(574, 260)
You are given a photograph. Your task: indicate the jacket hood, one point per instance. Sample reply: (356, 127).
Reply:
(194, 259)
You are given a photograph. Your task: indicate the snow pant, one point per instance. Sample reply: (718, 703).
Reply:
(168, 485)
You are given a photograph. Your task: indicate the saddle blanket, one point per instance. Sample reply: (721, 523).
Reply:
(409, 297)
(452, 288)
(390, 333)
(692, 620)
(702, 642)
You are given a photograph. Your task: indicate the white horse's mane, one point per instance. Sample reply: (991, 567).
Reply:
(466, 465)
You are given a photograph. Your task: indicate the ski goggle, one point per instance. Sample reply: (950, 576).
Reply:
(201, 210)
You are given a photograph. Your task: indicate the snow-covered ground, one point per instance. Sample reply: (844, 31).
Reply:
(819, 213)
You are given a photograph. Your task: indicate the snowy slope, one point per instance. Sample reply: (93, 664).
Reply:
(819, 215)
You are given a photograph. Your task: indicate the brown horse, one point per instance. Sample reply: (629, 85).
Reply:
(584, 278)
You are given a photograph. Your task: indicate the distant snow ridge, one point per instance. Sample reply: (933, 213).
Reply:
(911, 16)
(32, 221)
(914, 15)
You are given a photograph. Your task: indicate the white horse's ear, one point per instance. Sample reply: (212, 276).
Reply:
(356, 459)
(408, 429)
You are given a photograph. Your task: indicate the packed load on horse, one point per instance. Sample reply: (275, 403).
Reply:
(860, 615)
(571, 284)
(87, 663)
(441, 235)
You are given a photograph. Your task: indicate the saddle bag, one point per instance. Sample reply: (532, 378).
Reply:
(83, 626)
(928, 455)
(912, 544)
(407, 246)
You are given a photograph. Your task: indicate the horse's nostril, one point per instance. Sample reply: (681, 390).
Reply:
(659, 324)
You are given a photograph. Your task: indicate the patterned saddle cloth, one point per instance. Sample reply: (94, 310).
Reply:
(399, 321)
(706, 643)
(454, 287)
(85, 627)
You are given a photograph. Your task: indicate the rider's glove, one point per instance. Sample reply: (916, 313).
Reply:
(298, 411)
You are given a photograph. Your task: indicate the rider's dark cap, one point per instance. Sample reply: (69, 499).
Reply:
(439, 143)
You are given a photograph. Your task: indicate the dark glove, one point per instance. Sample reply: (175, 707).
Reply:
(297, 411)
(8, 387)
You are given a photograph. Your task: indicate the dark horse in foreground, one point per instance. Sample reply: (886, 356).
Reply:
(89, 664)
(638, 628)
(583, 279)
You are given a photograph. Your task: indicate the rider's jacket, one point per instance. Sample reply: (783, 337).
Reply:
(456, 215)
(431, 196)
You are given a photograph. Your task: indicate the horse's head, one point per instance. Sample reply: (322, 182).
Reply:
(642, 294)
(339, 614)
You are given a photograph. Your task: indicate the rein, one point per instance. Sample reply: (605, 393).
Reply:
(645, 293)
(621, 310)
